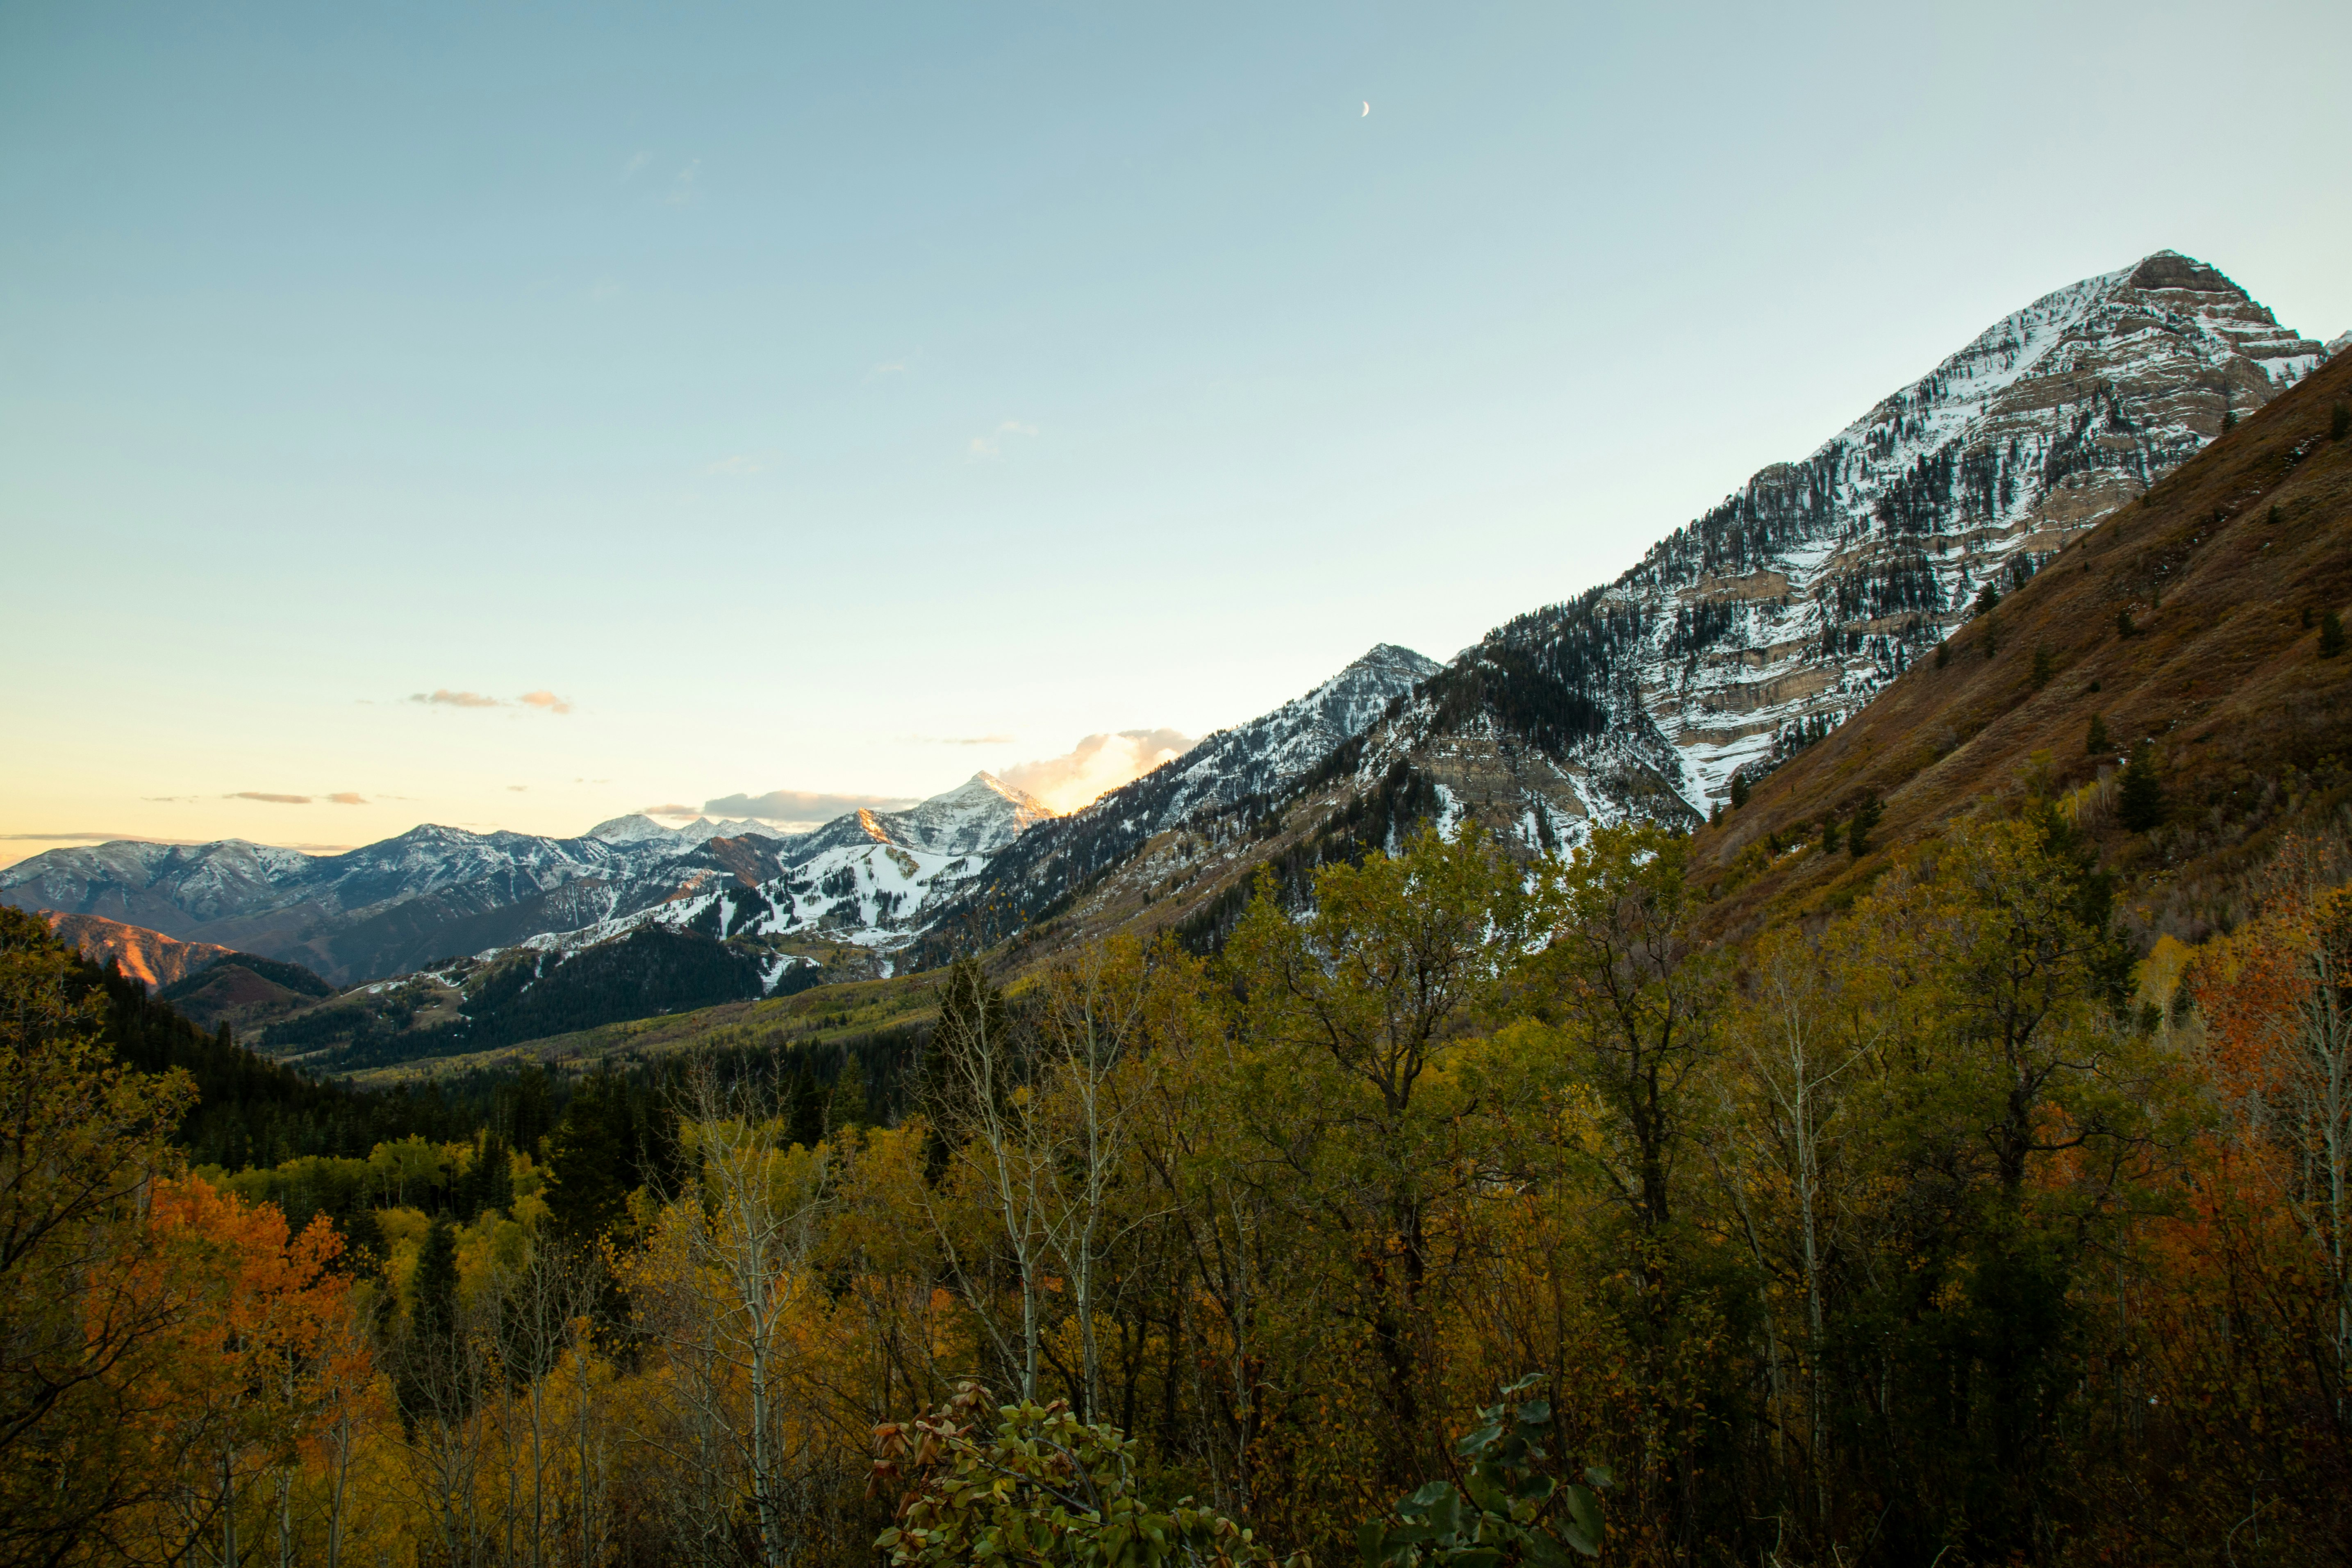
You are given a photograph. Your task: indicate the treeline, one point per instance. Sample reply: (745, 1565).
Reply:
(1901, 1233)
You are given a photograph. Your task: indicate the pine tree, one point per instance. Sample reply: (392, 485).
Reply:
(2331, 634)
(1829, 835)
(1738, 790)
(2044, 667)
(1988, 596)
(1865, 819)
(848, 1106)
(2125, 626)
(2339, 421)
(1943, 654)
(2139, 806)
(2097, 744)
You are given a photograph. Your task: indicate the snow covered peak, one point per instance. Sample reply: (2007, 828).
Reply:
(2338, 343)
(634, 829)
(1754, 630)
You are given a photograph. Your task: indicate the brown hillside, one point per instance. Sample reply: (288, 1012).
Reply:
(2226, 567)
(147, 956)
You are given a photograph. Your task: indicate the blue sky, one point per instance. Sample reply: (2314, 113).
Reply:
(843, 398)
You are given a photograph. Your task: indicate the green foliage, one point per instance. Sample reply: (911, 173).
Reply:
(1943, 654)
(1031, 1484)
(2339, 421)
(1987, 597)
(1512, 1513)
(2125, 626)
(2141, 804)
(2331, 634)
(1738, 790)
(2098, 742)
(2045, 665)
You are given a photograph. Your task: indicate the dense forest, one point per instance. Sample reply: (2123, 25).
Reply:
(1930, 1227)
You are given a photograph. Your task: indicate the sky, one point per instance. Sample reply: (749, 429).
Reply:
(512, 415)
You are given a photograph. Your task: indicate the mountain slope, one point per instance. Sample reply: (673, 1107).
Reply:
(1755, 630)
(2227, 569)
(387, 907)
(147, 956)
(1218, 788)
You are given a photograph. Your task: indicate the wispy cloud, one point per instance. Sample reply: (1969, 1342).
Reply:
(681, 185)
(91, 839)
(346, 797)
(672, 809)
(963, 739)
(271, 797)
(737, 467)
(635, 166)
(888, 367)
(544, 700)
(802, 806)
(518, 789)
(1096, 764)
(992, 443)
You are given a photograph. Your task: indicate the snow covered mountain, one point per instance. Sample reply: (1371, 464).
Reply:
(1753, 630)
(386, 906)
(985, 854)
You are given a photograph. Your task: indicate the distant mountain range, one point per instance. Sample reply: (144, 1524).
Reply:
(1738, 641)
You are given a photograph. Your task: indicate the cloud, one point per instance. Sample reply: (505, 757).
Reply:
(1096, 764)
(973, 740)
(272, 799)
(992, 444)
(888, 367)
(92, 838)
(172, 798)
(545, 701)
(681, 185)
(635, 166)
(736, 467)
(801, 804)
(520, 789)
(671, 810)
(345, 797)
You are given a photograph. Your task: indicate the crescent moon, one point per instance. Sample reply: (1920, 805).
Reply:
(1367, 109)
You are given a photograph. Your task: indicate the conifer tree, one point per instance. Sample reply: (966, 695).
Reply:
(847, 1106)
(1738, 790)
(2045, 666)
(2331, 634)
(2097, 742)
(2140, 805)
(1987, 597)
(1865, 819)
(2125, 626)
(2339, 421)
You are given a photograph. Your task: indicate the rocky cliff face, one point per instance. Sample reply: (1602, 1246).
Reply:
(1753, 630)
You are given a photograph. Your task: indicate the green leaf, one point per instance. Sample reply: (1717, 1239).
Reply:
(1584, 1508)
(1370, 1540)
(1535, 1413)
(1475, 1557)
(1479, 1439)
(1600, 1476)
(1485, 1493)
(1535, 1489)
(1543, 1550)
(1425, 1499)
(1532, 1380)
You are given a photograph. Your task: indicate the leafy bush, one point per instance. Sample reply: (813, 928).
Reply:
(1501, 1521)
(1041, 1487)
